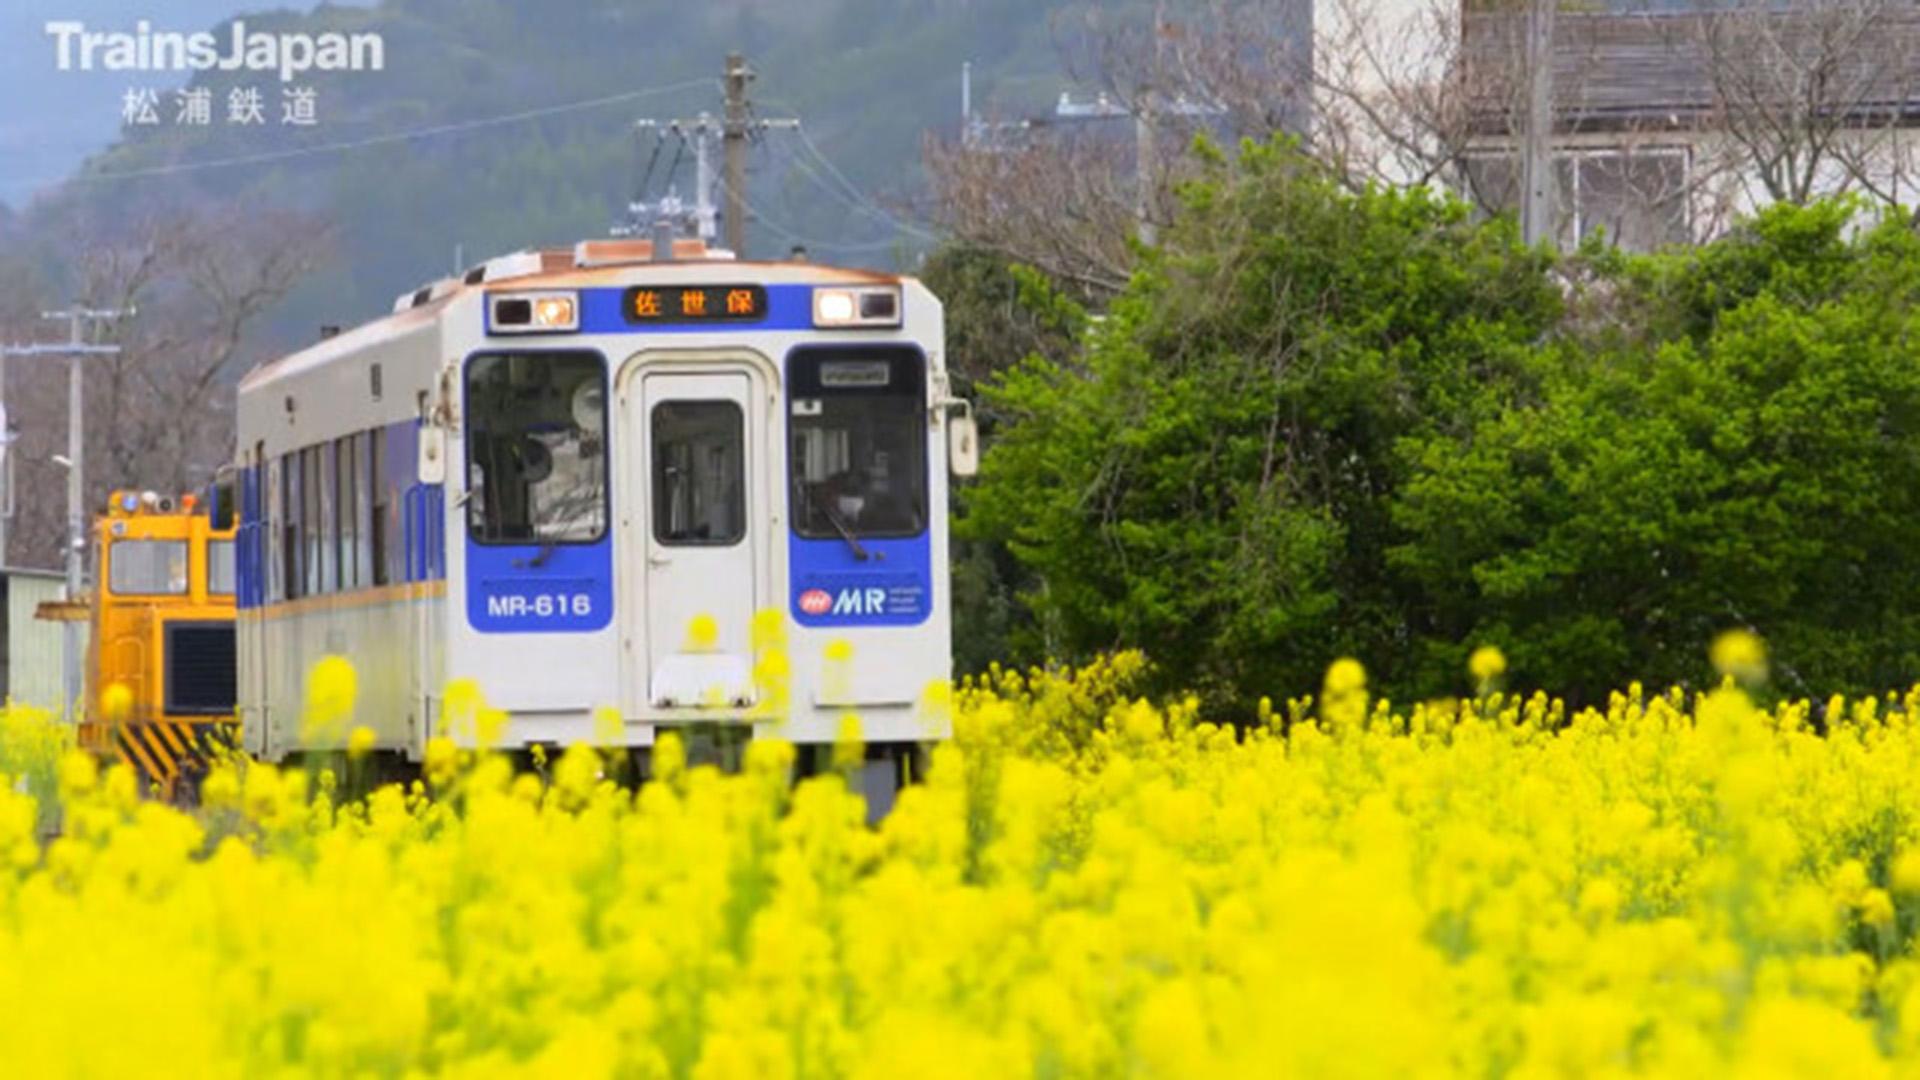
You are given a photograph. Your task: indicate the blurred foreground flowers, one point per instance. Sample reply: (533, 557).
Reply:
(1085, 885)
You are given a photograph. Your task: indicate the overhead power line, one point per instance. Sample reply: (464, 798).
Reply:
(812, 243)
(859, 199)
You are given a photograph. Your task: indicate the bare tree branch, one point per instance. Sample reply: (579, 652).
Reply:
(159, 413)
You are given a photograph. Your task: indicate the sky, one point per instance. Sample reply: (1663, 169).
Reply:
(50, 120)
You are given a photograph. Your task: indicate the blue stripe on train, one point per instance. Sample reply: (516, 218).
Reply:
(789, 307)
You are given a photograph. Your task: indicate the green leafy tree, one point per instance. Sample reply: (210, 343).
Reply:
(1211, 477)
(1739, 445)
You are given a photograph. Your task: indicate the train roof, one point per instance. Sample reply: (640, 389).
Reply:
(588, 263)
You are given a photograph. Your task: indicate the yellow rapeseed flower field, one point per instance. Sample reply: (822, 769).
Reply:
(1084, 885)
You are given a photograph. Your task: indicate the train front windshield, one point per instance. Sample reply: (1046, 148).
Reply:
(536, 469)
(859, 443)
(148, 568)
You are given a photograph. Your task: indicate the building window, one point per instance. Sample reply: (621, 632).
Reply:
(1637, 199)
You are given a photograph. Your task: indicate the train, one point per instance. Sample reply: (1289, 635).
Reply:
(628, 487)
(161, 662)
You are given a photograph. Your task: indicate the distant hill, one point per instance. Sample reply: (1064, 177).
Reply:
(869, 78)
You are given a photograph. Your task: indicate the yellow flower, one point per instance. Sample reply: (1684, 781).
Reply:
(703, 634)
(1346, 676)
(848, 748)
(116, 703)
(360, 741)
(1085, 881)
(607, 725)
(442, 758)
(332, 686)
(1876, 908)
(1741, 655)
(1906, 871)
(78, 774)
(1486, 664)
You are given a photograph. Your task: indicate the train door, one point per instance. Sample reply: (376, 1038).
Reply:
(691, 509)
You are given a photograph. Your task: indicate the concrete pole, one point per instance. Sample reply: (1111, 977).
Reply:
(6, 462)
(733, 139)
(1536, 169)
(1146, 168)
(76, 517)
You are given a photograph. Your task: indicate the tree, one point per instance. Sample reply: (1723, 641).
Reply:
(1070, 197)
(1815, 98)
(1737, 445)
(160, 412)
(1058, 202)
(1211, 478)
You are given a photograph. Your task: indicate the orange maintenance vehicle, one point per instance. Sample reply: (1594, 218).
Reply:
(160, 663)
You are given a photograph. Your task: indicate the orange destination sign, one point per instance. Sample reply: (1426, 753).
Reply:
(695, 303)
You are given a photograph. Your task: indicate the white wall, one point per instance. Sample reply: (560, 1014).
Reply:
(35, 660)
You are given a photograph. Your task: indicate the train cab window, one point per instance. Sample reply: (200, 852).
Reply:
(536, 448)
(858, 428)
(220, 567)
(699, 473)
(147, 567)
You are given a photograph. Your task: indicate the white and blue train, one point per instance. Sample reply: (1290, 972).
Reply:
(583, 478)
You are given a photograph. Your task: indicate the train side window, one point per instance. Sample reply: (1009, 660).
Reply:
(220, 570)
(347, 449)
(270, 537)
(536, 448)
(290, 543)
(333, 527)
(699, 473)
(381, 531)
(362, 553)
(310, 521)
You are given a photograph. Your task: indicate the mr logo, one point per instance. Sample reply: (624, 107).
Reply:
(848, 601)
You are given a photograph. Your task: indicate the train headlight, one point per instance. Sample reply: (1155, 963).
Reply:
(833, 307)
(549, 312)
(555, 313)
(873, 305)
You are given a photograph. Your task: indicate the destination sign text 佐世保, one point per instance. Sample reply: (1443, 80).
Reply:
(695, 303)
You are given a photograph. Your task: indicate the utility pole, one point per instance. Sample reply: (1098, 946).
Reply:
(733, 130)
(1536, 167)
(6, 462)
(1149, 111)
(734, 145)
(76, 350)
(1146, 169)
(1146, 151)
